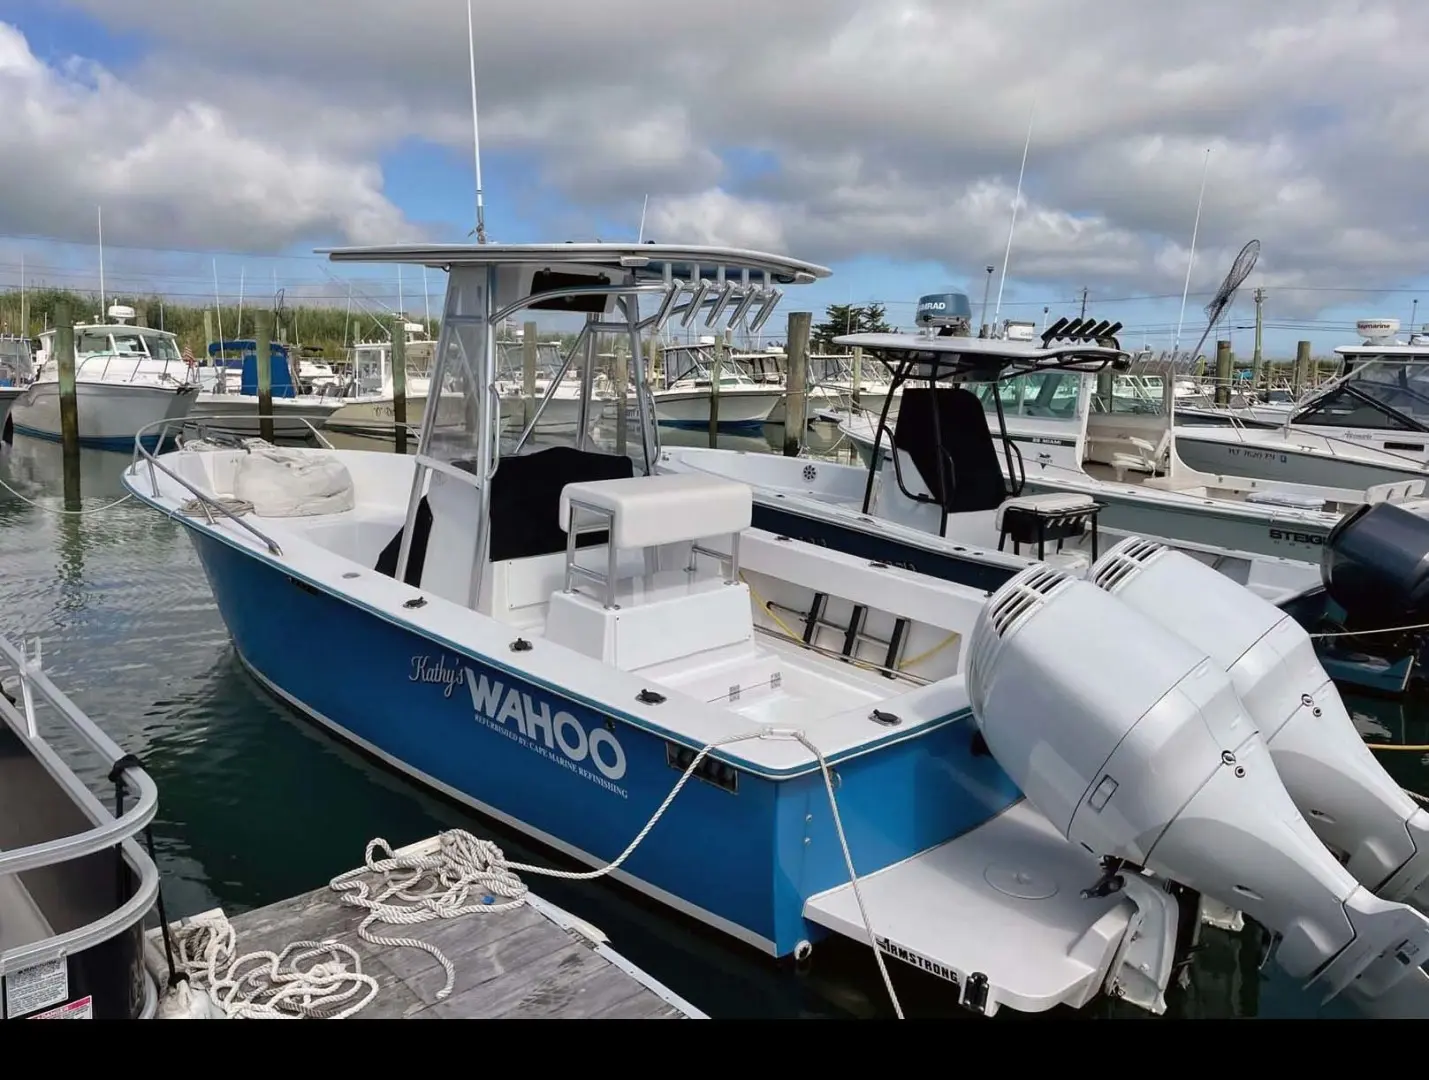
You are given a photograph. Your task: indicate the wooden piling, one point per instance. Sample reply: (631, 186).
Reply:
(399, 384)
(529, 341)
(1223, 372)
(69, 404)
(857, 375)
(263, 340)
(207, 330)
(715, 365)
(796, 407)
(1301, 371)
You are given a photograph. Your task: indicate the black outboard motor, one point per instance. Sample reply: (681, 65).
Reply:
(1375, 566)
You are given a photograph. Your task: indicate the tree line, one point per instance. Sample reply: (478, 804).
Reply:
(325, 328)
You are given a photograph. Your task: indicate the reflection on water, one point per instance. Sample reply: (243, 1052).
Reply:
(256, 805)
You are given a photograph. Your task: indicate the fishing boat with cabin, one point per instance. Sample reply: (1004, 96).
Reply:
(785, 741)
(127, 378)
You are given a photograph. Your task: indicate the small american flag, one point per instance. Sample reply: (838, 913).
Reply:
(188, 356)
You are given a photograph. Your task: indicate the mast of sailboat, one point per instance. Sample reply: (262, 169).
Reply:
(1012, 224)
(1191, 260)
(99, 212)
(640, 239)
(218, 311)
(475, 130)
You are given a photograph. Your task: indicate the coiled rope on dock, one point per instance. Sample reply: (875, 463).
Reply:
(264, 985)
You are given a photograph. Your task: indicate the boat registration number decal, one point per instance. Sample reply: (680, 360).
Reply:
(1296, 537)
(1257, 455)
(594, 754)
(36, 987)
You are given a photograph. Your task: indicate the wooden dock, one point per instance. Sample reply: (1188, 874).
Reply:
(535, 961)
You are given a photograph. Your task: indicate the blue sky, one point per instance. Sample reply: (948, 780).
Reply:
(431, 184)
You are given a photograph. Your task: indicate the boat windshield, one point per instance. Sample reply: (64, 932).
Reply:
(690, 365)
(1052, 394)
(1382, 392)
(99, 341)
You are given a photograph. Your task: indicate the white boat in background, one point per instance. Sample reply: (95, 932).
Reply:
(770, 368)
(17, 368)
(367, 412)
(1368, 426)
(1063, 436)
(684, 399)
(126, 378)
(1025, 794)
(562, 411)
(315, 374)
(231, 406)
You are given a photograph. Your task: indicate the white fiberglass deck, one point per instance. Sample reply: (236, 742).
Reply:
(1003, 900)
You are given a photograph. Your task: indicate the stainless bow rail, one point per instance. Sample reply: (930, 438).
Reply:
(207, 502)
(111, 830)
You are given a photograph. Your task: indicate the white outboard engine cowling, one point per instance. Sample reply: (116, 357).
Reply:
(1135, 746)
(1353, 805)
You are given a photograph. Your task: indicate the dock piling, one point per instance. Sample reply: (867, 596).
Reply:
(716, 364)
(263, 337)
(69, 403)
(796, 409)
(530, 343)
(399, 384)
(1224, 371)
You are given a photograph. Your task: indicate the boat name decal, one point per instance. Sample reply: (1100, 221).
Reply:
(555, 734)
(423, 670)
(908, 956)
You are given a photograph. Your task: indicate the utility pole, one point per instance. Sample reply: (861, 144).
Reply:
(1256, 358)
(1083, 315)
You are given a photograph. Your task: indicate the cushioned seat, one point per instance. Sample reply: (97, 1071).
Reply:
(664, 509)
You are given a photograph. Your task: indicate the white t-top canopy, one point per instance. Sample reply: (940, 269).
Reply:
(979, 359)
(644, 260)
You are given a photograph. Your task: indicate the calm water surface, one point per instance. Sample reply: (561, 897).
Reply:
(256, 805)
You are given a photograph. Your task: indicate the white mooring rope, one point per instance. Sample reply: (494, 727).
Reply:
(466, 875)
(263, 985)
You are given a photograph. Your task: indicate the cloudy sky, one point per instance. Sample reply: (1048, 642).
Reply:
(879, 137)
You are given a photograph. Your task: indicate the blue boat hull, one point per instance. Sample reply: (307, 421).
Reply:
(118, 442)
(739, 851)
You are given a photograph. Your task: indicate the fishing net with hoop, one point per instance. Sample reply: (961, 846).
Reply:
(1239, 271)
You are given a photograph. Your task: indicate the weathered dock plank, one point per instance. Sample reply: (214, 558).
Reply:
(532, 961)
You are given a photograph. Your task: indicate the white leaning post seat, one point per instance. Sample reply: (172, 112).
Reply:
(1051, 503)
(651, 511)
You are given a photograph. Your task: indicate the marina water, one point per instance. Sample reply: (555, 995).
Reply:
(256, 805)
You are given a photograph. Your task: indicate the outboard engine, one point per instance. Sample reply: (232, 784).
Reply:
(1364, 817)
(1135, 746)
(1375, 566)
